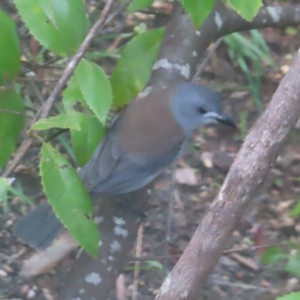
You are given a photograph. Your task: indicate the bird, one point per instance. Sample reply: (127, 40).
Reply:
(147, 137)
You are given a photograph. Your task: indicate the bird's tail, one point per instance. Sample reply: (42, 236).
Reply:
(39, 228)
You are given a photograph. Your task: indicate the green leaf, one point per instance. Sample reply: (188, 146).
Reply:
(91, 131)
(293, 264)
(9, 49)
(68, 120)
(247, 9)
(198, 10)
(11, 122)
(69, 198)
(273, 255)
(139, 4)
(134, 67)
(95, 88)
(87, 139)
(296, 210)
(4, 186)
(155, 264)
(291, 296)
(72, 95)
(59, 25)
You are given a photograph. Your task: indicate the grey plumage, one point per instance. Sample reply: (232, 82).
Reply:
(145, 139)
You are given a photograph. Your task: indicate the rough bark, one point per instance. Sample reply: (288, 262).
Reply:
(117, 222)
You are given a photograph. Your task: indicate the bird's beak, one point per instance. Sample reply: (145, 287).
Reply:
(224, 119)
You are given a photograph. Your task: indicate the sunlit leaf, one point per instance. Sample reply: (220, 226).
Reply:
(67, 120)
(95, 88)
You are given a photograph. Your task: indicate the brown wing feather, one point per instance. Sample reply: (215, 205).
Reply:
(143, 141)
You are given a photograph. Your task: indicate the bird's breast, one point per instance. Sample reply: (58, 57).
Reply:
(148, 127)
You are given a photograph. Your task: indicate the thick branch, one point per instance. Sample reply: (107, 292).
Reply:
(183, 45)
(118, 220)
(246, 175)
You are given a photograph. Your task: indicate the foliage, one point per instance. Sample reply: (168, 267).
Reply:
(92, 82)
(11, 103)
(274, 255)
(69, 199)
(68, 120)
(52, 22)
(139, 4)
(249, 55)
(247, 9)
(292, 261)
(4, 185)
(6, 188)
(296, 210)
(9, 50)
(291, 296)
(134, 67)
(198, 10)
(11, 121)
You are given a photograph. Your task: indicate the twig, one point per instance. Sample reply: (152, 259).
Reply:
(253, 248)
(12, 112)
(30, 108)
(36, 92)
(233, 250)
(40, 66)
(207, 58)
(34, 79)
(245, 286)
(67, 73)
(137, 263)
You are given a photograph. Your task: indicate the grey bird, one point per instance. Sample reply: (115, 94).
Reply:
(147, 137)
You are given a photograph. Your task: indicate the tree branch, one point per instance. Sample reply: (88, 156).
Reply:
(182, 45)
(117, 223)
(244, 179)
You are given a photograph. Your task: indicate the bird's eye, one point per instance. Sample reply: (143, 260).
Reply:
(202, 110)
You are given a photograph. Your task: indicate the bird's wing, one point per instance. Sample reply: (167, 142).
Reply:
(143, 140)
(113, 171)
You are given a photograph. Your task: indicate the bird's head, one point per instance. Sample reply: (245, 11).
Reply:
(194, 105)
